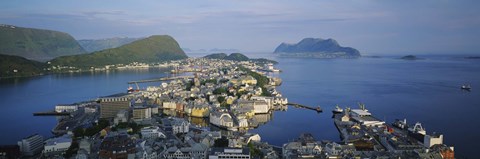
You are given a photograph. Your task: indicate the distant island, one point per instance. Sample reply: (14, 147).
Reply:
(472, 57)
(92, 45)
(37, 44)
(238, 57)
(157, 48)
(316, 48)
(411, 57)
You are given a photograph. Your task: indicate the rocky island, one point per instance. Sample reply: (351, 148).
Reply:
(316, 48)
(411, 57)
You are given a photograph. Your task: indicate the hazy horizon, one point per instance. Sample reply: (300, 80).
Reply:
(372, 27)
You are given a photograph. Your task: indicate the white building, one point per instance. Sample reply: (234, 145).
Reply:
(121, 117)
(260, 107)
(169, 105)
(180, 126)
(434, 139)
(221, 119)
(364, 117)
(66, 108)
(218, 153)
(243, 123)
(152, 132)
(31, 145)
(270, 100)
(58, 144)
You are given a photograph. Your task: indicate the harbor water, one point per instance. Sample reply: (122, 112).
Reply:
(426, 90)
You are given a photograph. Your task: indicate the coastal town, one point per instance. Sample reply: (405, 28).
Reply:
(205, 109)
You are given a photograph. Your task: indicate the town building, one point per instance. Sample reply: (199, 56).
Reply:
(57, 146)
(140, 113)
(110, 105)
(66, 108)
(364, 117)
(31, 145)
(434, 139)
(117, 146)
(180, 125)
(232, 153)
(221, 119)
(122, 117)
(152, 132)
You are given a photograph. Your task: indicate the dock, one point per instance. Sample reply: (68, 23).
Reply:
(161, 79)
(318, 109)
(51, 113)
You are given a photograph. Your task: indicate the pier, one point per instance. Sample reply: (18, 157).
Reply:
(160, 79)
(51, 113)
(318, 109)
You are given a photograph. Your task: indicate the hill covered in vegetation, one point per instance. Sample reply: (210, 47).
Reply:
(16, 66)
(36, 44)
(157, 48)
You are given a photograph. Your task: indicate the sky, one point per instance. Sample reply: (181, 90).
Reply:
(372, 27)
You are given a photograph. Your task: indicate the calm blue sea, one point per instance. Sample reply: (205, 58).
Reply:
(422, 90)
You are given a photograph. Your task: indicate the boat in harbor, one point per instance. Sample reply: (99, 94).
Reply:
(337, 110)
(466, 87)
(402, 124)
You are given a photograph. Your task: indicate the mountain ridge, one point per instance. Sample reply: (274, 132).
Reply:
(156, 48)
(92, 45)
(37, 44)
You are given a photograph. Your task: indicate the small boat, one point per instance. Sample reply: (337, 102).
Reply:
(466, 87)
(402, 124)
(337, 110)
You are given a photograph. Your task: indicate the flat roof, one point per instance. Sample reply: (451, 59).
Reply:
(361, 112)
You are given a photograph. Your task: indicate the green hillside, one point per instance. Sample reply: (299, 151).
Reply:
(36, 44)
(92, 45)
(157, 48)
(16, 66)
(237, 57)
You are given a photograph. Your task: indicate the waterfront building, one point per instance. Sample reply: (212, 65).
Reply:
(169, 105)
(110, 105)
(242, 122)
(66, 108)
(434, 139)
(260, 107)
(364, 117)
(221, 119)
(270, 100)
(232, 153)
(57, 146)
(31, 145)
(200, 110)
